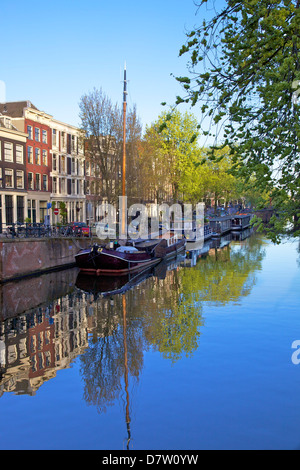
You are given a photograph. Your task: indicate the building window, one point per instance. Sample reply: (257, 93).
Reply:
(45, 183)
(8, 151)
(19, 154)
(45, 159)
(1, 185)
(30, 181)
(37, 156)
(9, 175)
(9, 209)
(73, 165)
(29, 132)
(20, 209)
(43, 213)
(63, 140)
(37, 134)
(63, 163)
(44, 136)
(54, 187)
(29, 155)
(63, 185)
(7, 123)
(31, 210)
(54, 140)
(54, 162)
(37, 181)
(20, 179)
(73, 143)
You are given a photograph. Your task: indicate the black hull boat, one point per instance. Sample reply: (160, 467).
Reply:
(107, 286)
(116, 259)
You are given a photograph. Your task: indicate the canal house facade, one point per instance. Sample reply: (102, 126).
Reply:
(13, 184)
(41, 167)
(67, 172)
(37, 158)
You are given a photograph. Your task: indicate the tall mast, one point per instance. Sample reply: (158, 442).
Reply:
(124, 134)
(124, 215)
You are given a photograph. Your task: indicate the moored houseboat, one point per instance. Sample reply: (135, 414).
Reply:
(220, 225)
(117, 259)
(240, 222)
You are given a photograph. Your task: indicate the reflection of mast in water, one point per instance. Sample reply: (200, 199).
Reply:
(126, 371)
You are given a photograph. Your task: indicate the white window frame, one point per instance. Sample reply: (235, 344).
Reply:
(19, 154)
(30, 153)
(37, 134)
(44, 136)
(45, 179)
(9, 172)
(32, 180)
(29, 132)
(45, 157)
(54, 185)
(38, 184)
(20, 176)
(37, 156)
(8, 152)
(54, 137)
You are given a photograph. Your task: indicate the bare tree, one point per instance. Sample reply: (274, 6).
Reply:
(102, 125)
(101, 122)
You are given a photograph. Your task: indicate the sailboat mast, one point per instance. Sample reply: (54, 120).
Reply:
(124, 135)
(124, 215)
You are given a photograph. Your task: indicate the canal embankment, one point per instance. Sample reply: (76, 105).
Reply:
(24, 257)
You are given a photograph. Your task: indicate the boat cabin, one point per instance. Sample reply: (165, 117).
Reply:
(220, 225)
(240, 222)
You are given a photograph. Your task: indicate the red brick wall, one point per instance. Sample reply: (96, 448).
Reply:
(36, 168)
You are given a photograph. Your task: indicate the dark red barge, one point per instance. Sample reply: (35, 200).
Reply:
(117, 259)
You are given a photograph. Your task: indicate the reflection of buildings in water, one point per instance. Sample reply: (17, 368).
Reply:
(34, 345)
(24, 295)
(163, 311)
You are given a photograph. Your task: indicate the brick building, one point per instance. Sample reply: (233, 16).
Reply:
(54, 164)
(13, 184)
(28, 119)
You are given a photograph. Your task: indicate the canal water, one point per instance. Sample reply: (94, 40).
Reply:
(200, 353)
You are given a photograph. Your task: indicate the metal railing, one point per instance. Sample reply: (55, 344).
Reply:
(38, 230)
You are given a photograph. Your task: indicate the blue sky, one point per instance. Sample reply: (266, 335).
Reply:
(54, 52)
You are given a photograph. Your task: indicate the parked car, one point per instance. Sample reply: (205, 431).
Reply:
(80, 229)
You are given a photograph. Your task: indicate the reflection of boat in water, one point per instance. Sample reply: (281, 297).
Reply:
(111, 285)
(106, 286)
(195, 251)
(116, 259)
(222, 241)
(242, 234)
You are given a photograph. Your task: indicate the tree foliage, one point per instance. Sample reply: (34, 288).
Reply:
(169, 149)
(244, 72)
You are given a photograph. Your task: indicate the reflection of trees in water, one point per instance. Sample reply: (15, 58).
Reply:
(104, 363)
(164, 314)
(226, 275)
(172, 317)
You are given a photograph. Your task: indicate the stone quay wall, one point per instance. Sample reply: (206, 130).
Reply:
(23, 257)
